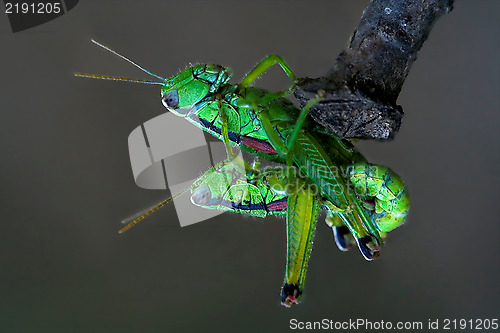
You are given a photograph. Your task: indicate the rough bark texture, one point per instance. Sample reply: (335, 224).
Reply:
(363, 85)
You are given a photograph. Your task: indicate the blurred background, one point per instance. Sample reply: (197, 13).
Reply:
(66, 181)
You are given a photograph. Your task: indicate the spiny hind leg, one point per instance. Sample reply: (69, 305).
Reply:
(302, 213)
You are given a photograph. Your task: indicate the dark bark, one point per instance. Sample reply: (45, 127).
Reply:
(363, 85)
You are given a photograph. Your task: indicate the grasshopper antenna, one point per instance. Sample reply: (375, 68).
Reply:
(127, 59)
(131, 221)
(117, 78)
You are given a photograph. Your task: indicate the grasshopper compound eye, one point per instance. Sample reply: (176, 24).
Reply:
(171, 99)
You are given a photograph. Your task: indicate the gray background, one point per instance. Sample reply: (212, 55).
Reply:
(66, 181)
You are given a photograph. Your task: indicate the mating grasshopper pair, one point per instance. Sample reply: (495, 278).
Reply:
(269, 126)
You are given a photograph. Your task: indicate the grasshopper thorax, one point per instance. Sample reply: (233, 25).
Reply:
(181, 93)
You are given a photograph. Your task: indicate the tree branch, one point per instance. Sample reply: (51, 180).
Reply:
(363, 85)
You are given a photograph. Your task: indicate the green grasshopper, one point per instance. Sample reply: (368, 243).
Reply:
(233, 186)
(268, 192)
(267, 125)
(264, 192)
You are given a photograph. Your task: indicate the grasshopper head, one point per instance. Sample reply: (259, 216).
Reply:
(181, 93)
